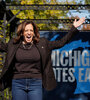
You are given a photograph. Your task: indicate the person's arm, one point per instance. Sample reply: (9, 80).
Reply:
(73, 31)
(60, 43)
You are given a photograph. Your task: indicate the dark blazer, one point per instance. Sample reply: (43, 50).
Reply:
(44, 47)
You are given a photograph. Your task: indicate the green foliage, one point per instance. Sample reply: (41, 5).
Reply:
(40, 14)
(87, 1)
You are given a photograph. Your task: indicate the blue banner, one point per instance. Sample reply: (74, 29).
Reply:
(71, 65)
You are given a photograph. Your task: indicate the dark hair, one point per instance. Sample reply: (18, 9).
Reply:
(21, 28)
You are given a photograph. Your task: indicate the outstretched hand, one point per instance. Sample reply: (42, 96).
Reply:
(79, 22)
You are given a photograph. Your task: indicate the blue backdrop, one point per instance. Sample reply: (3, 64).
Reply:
(73, 78)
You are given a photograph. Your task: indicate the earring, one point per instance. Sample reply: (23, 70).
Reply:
(34, 35)
(21, 34)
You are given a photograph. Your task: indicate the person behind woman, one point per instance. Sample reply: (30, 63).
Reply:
(27, 67)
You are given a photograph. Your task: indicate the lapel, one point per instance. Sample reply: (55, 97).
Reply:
(10, 56)
(41, 49)
(12, 52)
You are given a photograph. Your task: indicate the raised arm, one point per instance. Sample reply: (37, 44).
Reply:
(60, 43)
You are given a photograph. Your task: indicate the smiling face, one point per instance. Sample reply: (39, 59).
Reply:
(28, 33)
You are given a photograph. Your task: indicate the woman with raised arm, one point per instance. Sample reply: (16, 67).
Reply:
(28, 61)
